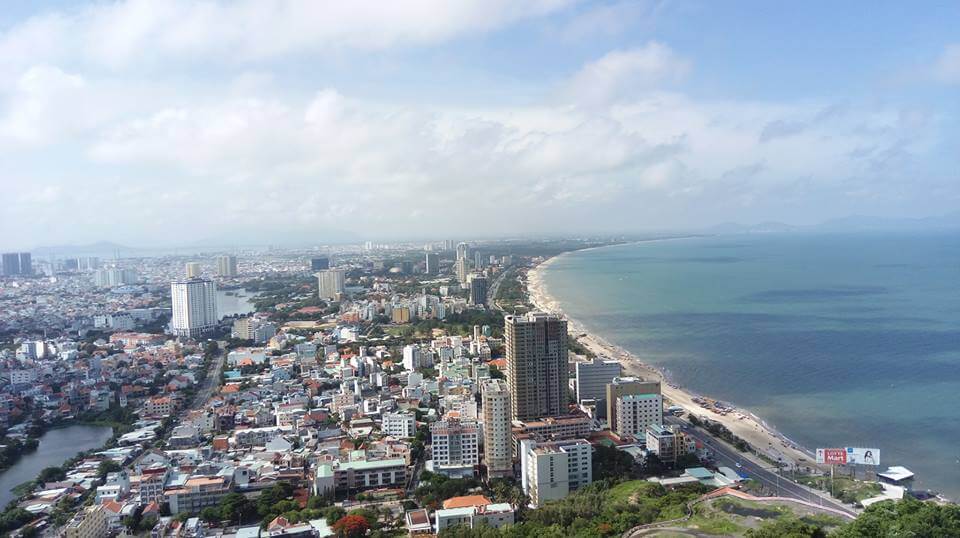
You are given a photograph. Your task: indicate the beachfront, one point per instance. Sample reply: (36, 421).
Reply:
(762, 438)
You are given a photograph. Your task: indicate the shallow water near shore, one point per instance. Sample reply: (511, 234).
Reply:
(834, 340)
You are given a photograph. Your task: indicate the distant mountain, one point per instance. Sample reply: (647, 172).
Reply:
(763, 227)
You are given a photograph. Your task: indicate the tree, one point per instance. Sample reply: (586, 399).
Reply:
(908, 517)
(333, 514)
(608, 462)
(236, 507)
(51, 474)
(351, 526)
(106, 467)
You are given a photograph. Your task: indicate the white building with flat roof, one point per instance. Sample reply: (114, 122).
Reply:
(456, 444)
(550, 471)
(637, 411)
(194, 303)
(330, 284)
(497, 448)
(399, 424)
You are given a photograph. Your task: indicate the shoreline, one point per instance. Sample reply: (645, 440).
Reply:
(763, 438)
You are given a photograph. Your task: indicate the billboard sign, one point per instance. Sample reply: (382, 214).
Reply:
(832, 456)
(863, 456)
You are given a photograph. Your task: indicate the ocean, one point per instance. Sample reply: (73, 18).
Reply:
(842, 340)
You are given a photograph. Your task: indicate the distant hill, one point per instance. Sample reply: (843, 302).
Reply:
(100, 248)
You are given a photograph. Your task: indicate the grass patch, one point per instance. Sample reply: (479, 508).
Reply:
(714, 525)
(623, 491)
(846, 489)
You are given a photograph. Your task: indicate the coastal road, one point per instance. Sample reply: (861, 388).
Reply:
(495, 287)
(727, 456)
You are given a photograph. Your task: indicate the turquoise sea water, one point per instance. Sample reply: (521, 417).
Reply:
(834, 340)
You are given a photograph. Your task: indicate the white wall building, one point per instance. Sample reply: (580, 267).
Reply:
(411, 357)
(550, 471)
(399, 424)
(497, 448)
(637, 411)
(330, 284)
(455, 444)
(194, 306)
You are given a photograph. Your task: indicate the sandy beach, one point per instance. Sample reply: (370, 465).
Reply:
(742, 423)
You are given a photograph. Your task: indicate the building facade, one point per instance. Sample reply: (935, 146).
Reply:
(455, 444)
(497, 448)
(227, 266)
(624, 386)
(536, 349)
(194, 307)
(330, 284)
(478, 290)
(593, 376)
(550, 471)
(637, 411)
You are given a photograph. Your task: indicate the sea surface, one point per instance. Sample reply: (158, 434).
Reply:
(56, 446)
(836, 341)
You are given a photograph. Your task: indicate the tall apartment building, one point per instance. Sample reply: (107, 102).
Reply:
(321, 263)
(330, 284)
(593, 376)
(536, 346)
(193, 269)
(194, 306)
(227, 265)
(456, 444)
(550, 471)
(624, 386)
(90, 522)
(433, 263)
(478, 290)
(17, 264)
(497, 448)
(109, 277)
(462, 265)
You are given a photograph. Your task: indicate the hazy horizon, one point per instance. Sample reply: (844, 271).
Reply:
(168, 123)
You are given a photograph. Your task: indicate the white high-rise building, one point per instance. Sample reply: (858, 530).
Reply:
(550, 471)
(227, 266)
(497, 448)
(593, 376)
(330, 284)
(194, 306)
(411, 357)
(399, 424)
(456, 444)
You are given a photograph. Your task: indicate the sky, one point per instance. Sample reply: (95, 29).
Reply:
(169, 122)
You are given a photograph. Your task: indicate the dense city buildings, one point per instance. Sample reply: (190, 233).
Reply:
(227, 266)
(497, 449)
(194, 306)
(330, 284)
(536, 356)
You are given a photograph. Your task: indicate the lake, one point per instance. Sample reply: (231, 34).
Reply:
(56, 446)
(236, 302)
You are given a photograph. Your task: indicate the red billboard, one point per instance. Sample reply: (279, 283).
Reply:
(832, 456)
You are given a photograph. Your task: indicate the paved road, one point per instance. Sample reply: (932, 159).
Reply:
(211, 383)
(495, 287)
(727, 456)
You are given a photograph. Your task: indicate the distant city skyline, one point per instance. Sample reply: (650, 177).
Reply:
(137, 122)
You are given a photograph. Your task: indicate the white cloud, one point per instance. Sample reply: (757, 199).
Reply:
(623, 74)
(130, 32)
(947, 68)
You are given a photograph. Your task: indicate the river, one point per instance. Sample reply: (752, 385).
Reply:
(235, 302)
(56, 446)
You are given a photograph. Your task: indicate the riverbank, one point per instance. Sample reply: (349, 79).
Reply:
(763, 439)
